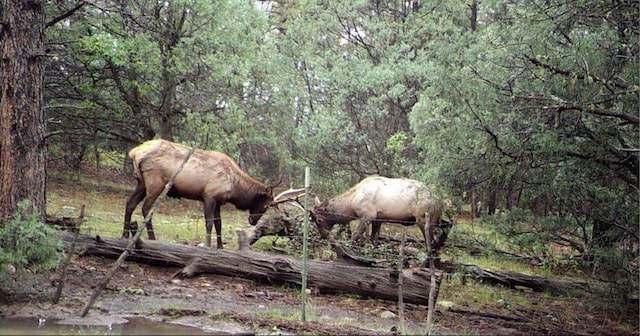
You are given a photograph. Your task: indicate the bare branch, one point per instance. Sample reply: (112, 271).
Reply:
(556, 70)
(597, 111)
(65, 14)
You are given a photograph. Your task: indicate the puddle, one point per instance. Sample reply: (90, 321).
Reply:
(135, 326)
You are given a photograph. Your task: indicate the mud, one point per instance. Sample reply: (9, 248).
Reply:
(209, 302)
(225, 305)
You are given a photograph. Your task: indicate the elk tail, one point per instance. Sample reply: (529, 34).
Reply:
(136, 162)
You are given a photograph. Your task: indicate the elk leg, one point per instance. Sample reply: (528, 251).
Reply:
(424, 234)
(324, 233)
(356, 236)
(132, 202)
(218, 224)
(212, 218)
(431, 227)
(146, 207)
(375, 231)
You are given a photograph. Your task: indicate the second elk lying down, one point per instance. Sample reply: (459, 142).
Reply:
(377, 199)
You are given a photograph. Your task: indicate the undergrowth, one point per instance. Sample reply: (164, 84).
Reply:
(26, 246)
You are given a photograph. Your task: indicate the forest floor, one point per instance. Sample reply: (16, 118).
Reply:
(225, 305)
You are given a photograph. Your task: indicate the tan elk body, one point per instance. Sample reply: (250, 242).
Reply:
(377, 199)
(209, 176)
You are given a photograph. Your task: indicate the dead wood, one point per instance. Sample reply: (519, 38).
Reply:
(67, 259)
(515, 279)
(324, 276)
(347, 255)
(65, 223)
(489, 314)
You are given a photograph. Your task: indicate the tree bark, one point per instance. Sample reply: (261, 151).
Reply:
(22, 121)
(512, 279)
(473, 18)
(326, 277)
(474, 203)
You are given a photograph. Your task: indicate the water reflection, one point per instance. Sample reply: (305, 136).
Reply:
(136, 326)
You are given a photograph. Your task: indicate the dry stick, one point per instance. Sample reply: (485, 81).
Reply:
(135, 238)
(432, 289)
(403, 329)
(67, 260)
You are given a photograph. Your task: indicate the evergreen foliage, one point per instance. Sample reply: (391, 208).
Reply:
(526, 108)
(27, 245)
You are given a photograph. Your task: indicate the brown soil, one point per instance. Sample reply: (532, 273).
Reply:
(234, 305)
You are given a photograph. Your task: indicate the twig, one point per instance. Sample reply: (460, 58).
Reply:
(67, 260)
(432, 288)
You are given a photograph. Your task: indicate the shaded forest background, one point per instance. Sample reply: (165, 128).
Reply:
(529, 107)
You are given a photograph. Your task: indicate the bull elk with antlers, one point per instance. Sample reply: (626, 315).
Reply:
(208, 176)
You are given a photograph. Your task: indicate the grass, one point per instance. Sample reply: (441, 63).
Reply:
(479, 296)
(311, 315)
(183, 221)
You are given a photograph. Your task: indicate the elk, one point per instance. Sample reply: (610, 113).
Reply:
(208, 176)
(377, 199)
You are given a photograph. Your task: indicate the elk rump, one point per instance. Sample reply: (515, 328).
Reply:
(209, 176)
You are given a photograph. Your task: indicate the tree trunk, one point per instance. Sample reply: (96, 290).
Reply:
(473, 200)
(22, 121)
(325, 276)
(473, 18)
(513, 194)
(492, 199)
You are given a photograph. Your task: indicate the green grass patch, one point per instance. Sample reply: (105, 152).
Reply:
(476, 294)
(496, 263)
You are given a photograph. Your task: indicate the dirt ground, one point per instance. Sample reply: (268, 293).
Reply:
(228, 305)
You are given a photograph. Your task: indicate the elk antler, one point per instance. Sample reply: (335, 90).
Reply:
(272, 185)
(280, 198)
(298, 192)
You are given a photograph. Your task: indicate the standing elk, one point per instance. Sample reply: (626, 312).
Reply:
(377, 199)
(208, 176)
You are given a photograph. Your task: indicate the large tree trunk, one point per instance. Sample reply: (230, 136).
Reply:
(324, 276)
(22, 122)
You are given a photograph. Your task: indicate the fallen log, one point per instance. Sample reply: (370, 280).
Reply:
(513, 279)
(324, 276)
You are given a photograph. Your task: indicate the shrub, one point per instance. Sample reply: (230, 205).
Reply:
(27, 245)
